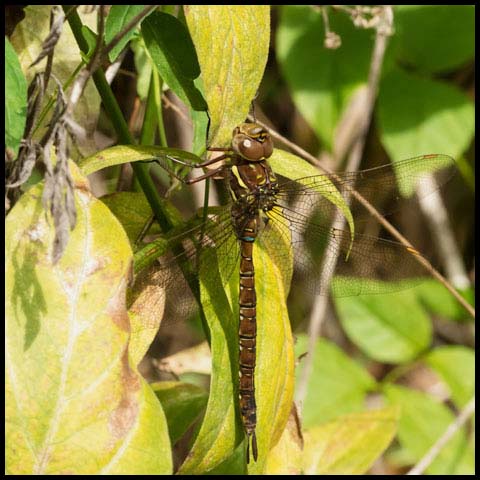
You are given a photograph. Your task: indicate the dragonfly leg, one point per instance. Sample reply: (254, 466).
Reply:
(211, 173)
(212, 160)
(206, 163)
(253, 437)
(220, 149)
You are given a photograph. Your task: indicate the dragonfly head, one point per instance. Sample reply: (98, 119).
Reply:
(252, 142)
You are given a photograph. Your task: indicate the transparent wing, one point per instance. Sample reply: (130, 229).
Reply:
(303, 208)
(374, 184)
(373, 263)
(190, 252)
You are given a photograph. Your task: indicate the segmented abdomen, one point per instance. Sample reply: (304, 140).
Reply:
(247, 335)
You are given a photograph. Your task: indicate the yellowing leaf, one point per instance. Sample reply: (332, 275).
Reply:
(232, 47)
(295, 168)
(350, 444)
(120, 154)
(75, 403)
(286, 457)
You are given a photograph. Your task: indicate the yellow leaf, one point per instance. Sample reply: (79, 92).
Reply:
(232, 47)
(75, 402)
(350, 444)
(286, 457)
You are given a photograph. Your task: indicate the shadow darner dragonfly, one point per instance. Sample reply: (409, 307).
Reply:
(263, 207)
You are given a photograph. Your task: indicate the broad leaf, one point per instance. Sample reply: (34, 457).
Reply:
(15, 101)
(322, 81)
(118, 18)
(419, 116)
(456, 366)
(232, 46)
(75, 402)
(173, 54)
(146, 305)
(423, 420)
(233, 465)
(120, 154)
(285, 458)
(182, 404)
(418, 41)
(440, 301)
(386, 334)
(337, 385)
(133, 211)
(350, 444)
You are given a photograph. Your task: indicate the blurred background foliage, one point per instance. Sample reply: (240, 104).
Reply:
(419, 354)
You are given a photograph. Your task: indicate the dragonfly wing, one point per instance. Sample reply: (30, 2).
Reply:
(365, 266)
(207, 245)
(377, 185)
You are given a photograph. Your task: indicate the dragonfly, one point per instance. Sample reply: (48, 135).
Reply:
(262, 205)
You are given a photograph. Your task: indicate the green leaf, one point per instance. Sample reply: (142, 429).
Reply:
(132, 210)
(423, 421)
(169, 45)
(182, 404)
(386, 334)
(232, 46)
(91, 39)
(15, 101)
(143, 66)
(350, 444)
(221, 431)
(435, 38)
(75, 402)
(456, 366)
(438, 300)
(233, 465)
(118, 18)
(322, 81)
(120, 154)
(337, 385)
(420, 116)
(200, 122)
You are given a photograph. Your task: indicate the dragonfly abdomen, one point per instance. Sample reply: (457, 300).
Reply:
(247, 341)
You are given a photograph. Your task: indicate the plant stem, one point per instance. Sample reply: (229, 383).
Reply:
(436, 448)
(140, 170)
(120, 125)
(157, 89)
(147, 135)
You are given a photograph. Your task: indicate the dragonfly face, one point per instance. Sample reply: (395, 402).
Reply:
(252, 142)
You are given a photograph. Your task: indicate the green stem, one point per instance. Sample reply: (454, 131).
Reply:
(147, 135)
(157, 88)
(141, 171)
(115, 114)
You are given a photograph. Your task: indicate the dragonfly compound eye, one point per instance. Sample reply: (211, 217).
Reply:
(252, 148)
(248, 148)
